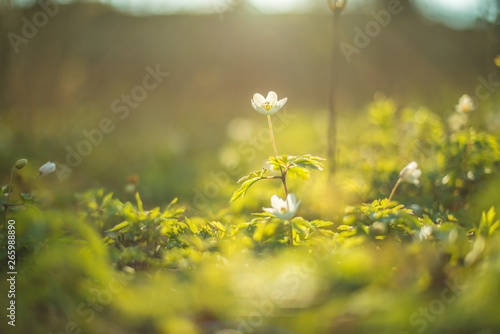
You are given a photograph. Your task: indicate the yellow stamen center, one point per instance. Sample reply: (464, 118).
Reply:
(283, 209)
(267, 105)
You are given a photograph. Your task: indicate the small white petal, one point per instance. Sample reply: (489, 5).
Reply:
(258, 99)
(256, 106)
(272, 97)
(282, 102)
(417, 173)
(270, 210)
(408, 169)
(277, 202)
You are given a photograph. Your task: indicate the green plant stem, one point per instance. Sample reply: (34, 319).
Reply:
(32, 183)
(272, 134)
(283, 173)
(290, 239)
(6, 205)
(10, 183)
(331, 148)
(392, 193)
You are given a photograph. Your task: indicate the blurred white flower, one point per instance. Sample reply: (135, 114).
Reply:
(48, 168)
(458, 120)
(425, 232)
(465, 104)
(411, 173)
(336, 4)
(283, 209)
(268, 105)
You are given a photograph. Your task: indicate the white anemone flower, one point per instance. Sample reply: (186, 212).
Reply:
(268, 105)
(411, 173)
(465, 104)
(48, 168)
(425, 232)
(283, 209)
(458, 120)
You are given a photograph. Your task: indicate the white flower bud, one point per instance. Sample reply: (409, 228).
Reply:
(48, 168)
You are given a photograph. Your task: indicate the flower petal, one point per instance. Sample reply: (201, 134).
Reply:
(290, 200)
(408, 169)
(417, 173)
(47, 168)
(292, 204)
(257, 107)
(270, 210)
(284, 216)
(282, 102)
(272, 97)
(277, 202)
(258, 99)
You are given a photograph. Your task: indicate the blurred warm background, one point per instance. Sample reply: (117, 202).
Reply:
(81, 63)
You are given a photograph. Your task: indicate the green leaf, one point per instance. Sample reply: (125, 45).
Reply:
(252, 175)
(276, 162)
(192, 226)
(307, 161)
(28, 199)
(120, 226)
(6, 190)
(139, 202)
(217, 225)
(248, 181)
(321, 223)
(298, 172)
(263, 214)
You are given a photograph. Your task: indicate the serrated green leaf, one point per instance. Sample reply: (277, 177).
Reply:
(217, 225)
(7, 189)
(192, 226)
(298, 172)
(308, 161)
(118, 227)
(28, 199)
(263, 214)
(139, 202)
(321, 223)
(253, 175)
(244, 188)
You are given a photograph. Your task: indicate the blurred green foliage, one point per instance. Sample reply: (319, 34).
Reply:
(428, 261)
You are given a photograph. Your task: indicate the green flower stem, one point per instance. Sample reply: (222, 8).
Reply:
(272, 134)
(283, 173)
(10, 183)
(392, 193)
(32, 183)
(290, 239)
(6, 204)
(332, 114)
